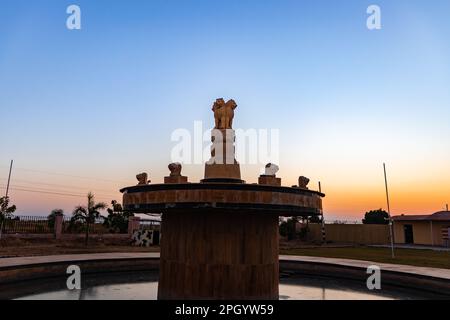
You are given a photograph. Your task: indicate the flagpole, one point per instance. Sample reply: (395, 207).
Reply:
(391, 232)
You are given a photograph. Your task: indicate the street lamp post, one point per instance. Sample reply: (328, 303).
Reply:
(391, 231)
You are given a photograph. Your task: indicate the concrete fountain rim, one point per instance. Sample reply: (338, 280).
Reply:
(219, 186)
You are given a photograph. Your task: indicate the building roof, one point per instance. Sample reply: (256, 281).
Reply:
(441, 215)
(437, 216)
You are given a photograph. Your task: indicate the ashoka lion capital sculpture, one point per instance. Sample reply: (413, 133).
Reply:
(224, 113)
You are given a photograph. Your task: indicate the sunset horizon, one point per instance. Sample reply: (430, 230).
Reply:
(86, 110)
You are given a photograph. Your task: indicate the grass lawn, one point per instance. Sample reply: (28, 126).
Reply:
(414, 257)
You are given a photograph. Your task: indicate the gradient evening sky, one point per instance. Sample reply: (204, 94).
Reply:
(87, 110)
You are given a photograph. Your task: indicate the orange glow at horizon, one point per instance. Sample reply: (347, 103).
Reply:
(346, 197)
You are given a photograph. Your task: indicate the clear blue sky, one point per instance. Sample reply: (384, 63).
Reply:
(103, 101)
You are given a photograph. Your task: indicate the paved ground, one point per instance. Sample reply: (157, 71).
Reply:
(431, 272)
(21, 261)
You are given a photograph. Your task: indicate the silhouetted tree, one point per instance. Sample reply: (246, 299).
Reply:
(6, 212)
(376, 217)
(287, 228)
(117, 220)
(87, 215)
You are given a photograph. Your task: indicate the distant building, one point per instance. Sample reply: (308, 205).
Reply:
(432, 230)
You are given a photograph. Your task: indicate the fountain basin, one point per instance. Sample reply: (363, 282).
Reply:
(41, 277)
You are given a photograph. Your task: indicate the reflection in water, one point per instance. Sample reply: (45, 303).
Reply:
(295, 292)
(134, 291)
(305, 288)
(292, 288)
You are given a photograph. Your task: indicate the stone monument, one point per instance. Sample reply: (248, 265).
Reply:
(220, 235)
(223, 165)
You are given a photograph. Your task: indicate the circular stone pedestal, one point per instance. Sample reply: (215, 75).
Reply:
(219, 255)
(220, 240)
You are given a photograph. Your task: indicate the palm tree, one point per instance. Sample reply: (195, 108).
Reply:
(5, 212)
(88, 214)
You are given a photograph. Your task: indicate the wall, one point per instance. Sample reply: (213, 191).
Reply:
(351, 233)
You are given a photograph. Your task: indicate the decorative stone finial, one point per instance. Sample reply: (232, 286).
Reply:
(271, 169)
(175, 169)
(269, 176)
(224, 113)
(142, 178)
(303, 182)
(175, 174)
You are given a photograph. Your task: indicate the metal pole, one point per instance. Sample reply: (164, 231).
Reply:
(9, 179)
(322, 222)
(6, 199)
(391, 232)
(446, 207)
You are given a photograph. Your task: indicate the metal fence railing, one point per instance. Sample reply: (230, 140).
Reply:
(45, 225)
(28, 224)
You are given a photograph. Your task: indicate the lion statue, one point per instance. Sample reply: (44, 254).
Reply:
(224, 113)
(142, 178)
(303, 182)
(271, 169)
(175, 169)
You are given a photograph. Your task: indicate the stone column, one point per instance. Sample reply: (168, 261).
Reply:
(219, 255)
(223, 163)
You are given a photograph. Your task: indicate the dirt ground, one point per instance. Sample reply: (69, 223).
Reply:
(11, 247)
